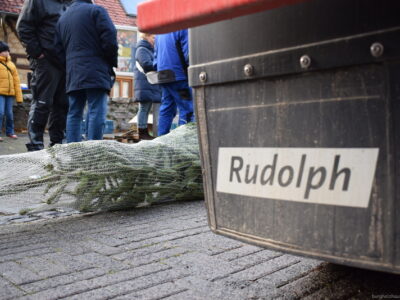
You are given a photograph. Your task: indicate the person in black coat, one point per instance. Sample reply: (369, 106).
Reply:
(36, 29)
(145, 93)
(87, 41)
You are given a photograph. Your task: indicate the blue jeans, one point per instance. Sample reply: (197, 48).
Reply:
(6, 108)
(175, 96)
(96, 116)
(143, 113)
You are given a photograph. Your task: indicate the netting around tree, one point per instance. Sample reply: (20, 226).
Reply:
(104, 175)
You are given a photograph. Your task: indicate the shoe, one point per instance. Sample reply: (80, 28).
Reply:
(1, 139)
(34, 147)
(51, 144)
(144, 134)
(12, 136)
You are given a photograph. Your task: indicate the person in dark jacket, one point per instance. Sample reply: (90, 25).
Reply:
(172, 53)
(87, 39)
(145, 93)
(36, 29)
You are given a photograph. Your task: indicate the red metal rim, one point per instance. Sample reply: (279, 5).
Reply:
(161, 16)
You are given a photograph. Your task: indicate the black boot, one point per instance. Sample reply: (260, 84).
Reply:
(34, 147)
(144, 134)
(52, 144)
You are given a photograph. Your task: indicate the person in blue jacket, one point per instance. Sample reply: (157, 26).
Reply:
(145, 93)
(87, 40)
(172, 53)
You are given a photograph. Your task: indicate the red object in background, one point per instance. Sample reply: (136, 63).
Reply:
(161, 16)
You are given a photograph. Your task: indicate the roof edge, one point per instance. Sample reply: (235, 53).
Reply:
(2, 12)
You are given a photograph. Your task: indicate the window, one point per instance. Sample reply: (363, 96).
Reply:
(123, 87)
(127, 38)
(116, 89)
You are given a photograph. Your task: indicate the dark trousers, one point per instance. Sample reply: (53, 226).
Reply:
(49, 104)
(175, 96)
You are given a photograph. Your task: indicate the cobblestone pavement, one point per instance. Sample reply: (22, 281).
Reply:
(163, 252)
(11, 146)
(160, 252)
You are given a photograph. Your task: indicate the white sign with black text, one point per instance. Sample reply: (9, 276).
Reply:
(334, 176)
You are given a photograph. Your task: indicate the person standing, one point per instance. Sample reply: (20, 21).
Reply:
(88, 40)
(9, 90)
(172, 53)
(145, 93)
(36, 29)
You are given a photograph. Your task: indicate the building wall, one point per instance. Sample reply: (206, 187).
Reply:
(16, 48)
(121, 111)
(18, 55)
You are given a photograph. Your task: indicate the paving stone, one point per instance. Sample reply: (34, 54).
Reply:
(43, 267)
(97, 294)
(202, 217)
(218, 290)
(236, 253)
(208, 243)
(137, 272)
(265, 268)
(343, 289)
(198, 288)
(17, 274)
(16, 218)
(69, 262)
(155, 257)
(128, 231)
(185, 295)
(73, 248)
(13, 249)
(256, 258)
(102, 248)
(26, 253)
(147, 235)
(204, 266)
(101, 261)
(83, 226)
(129, 286)
(153, 293)
(9, 291)
(180, 224)
(84, 286)
(146, 250)
(168, 228)
(111, 241)
(165, 238)
(325, 274)
(61, 280)
(20, 238)
(291, 273)
(118, 231)
(59, 292)
(162, 252)
(25, 219)
(20, 241)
